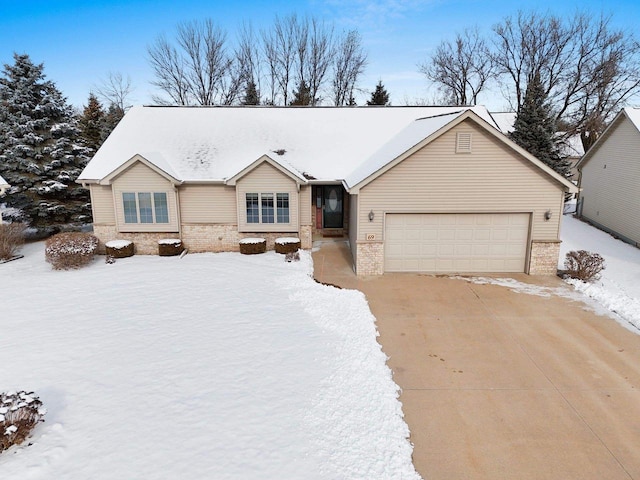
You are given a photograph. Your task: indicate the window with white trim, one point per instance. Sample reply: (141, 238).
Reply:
(267, 207)
(145, 207)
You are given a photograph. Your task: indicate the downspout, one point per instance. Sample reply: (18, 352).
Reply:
(178, 216)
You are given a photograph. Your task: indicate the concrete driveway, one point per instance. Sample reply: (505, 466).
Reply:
(502, 385)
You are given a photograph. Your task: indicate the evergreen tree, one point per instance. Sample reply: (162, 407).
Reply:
(301, 96)
(92, 123)
(379, 96)
(251, 96)
(41, 152)
(112, 117)
(534, 128)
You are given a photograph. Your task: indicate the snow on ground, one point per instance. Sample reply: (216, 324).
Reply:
(618, 290)
(211, 366)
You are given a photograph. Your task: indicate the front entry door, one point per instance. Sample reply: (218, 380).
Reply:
(332, 206)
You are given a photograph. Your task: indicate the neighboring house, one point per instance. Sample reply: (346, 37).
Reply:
(3, 188)
(610, 178)
(423, 189)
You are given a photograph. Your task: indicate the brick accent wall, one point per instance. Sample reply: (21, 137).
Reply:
(144, 243)
(544, 257)
(196, 237)
(370, 258)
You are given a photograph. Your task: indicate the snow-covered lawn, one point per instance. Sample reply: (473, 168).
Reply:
(213, 366)
(618, 290)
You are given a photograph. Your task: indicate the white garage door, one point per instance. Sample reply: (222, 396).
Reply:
(456, 242)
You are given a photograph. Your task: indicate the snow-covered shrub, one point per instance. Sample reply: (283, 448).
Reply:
(20, 412)
(583, 265)
(11, 239)
(70, 250)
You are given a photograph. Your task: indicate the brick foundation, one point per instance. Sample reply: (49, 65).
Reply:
(370, 258)
(544, 257)
(197, 238)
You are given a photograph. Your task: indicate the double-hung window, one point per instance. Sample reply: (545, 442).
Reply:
(145, 207)
(267, 207)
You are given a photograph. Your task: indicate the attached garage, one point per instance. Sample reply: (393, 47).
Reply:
(456, 242)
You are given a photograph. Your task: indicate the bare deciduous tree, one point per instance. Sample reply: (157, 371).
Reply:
(461, 69)
(280, 52)
(200, 71)
(587, 69)
(348, 65)
(116, 90)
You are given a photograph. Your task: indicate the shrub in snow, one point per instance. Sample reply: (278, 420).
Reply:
(11, 239)
(70, 250)
(20, 412)
(583, 265)
(108, 259)
(292, 257)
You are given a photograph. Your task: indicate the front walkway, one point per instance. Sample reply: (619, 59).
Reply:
(500, 385)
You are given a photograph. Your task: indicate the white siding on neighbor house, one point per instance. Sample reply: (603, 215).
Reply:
(140, 178)
(353, 226)
(102, 204)
(208, 204)
(491, 179)
(267, 179)
(611, 182)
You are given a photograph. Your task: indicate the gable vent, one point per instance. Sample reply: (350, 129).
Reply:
(463, 142)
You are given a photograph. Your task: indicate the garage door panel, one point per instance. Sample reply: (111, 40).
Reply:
(448, 243)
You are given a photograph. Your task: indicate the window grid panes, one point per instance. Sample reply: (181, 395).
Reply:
(146, 208)
(130, 208)
(253, 213)
(161, 208)
(283, 207)
(267, 208)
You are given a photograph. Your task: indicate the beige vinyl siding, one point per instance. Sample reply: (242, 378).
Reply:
(102, 204)
(353, 226)
(140, 178)
(490, 179)
(267, 179)
(209, 204)
(608, 193)
(305, 205)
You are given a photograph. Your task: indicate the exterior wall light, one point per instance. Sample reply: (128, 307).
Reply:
(371, 215)
(547, 215)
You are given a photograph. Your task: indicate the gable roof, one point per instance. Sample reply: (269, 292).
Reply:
(422, 132)
(152, 160)
(216, 143)
(629, 113)
(281, 166)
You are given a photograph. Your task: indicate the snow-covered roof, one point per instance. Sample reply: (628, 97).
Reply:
(3, 185)
(634, 116)
(409, 137)
(504, 121)
(216, 143)
(572, 146)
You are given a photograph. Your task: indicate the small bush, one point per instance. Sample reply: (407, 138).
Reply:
(20, 412)
(11, 239)
(583, 265)
(69, 250)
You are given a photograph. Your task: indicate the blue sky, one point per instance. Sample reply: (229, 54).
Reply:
(79, 42)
